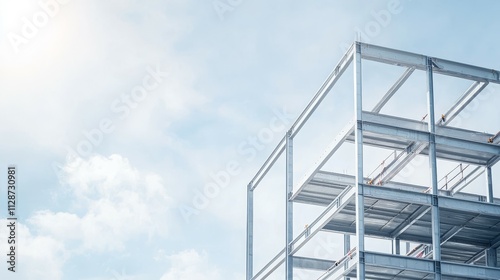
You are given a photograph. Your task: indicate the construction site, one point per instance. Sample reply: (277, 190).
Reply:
(436, 230)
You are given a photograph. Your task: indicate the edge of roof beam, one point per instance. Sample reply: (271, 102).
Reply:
(441, 66)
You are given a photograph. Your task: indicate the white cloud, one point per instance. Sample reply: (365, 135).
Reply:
(117, 202)
(38, 256)
(191, 265)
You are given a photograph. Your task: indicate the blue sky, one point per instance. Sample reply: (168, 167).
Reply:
(119, 114)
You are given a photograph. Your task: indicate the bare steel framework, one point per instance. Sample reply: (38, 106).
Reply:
(459, 233)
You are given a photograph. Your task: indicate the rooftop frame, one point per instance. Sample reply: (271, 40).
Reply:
(423, 212)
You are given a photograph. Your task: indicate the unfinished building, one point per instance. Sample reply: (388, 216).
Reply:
(454, 235)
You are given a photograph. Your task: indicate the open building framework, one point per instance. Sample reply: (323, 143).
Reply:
(459, 233)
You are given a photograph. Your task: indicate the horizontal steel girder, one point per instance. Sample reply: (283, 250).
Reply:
(450, 141)
(441, 66)
(429, 266)
(312, 263)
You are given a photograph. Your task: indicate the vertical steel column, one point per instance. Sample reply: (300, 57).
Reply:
(358, 131)
(249, 231)
(289, 205)
(491, 257)
(347, 248)
(491, 253)
(489, 184)
(396, 246)
(436, 235)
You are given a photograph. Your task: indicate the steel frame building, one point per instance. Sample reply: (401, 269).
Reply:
(459, 232)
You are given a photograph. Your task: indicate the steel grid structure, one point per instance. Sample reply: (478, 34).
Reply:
(459, 232)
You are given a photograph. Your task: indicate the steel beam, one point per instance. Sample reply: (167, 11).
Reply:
(435, 222)
(312, 263)
(393, 90)
(289, 206)
(482, 148)
(399, 262)
(451, 233)
(462, 102)
(469, 271)
(445, 67)
(489, 184)
(465, 181)
(249, 256)
(475, 207)
(409, 127)
(491, 257)
(413, 218)
(394, 167)
(331, 180)
(396, 246)
(429, 266)
(358, 135)
(347, 249)
(422, 238)
(479, 255)
(463, 140)
(397, 195)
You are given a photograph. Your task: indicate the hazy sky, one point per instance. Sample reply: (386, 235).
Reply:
(136, 125)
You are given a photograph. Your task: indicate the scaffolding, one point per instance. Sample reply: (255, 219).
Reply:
(458, 232)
